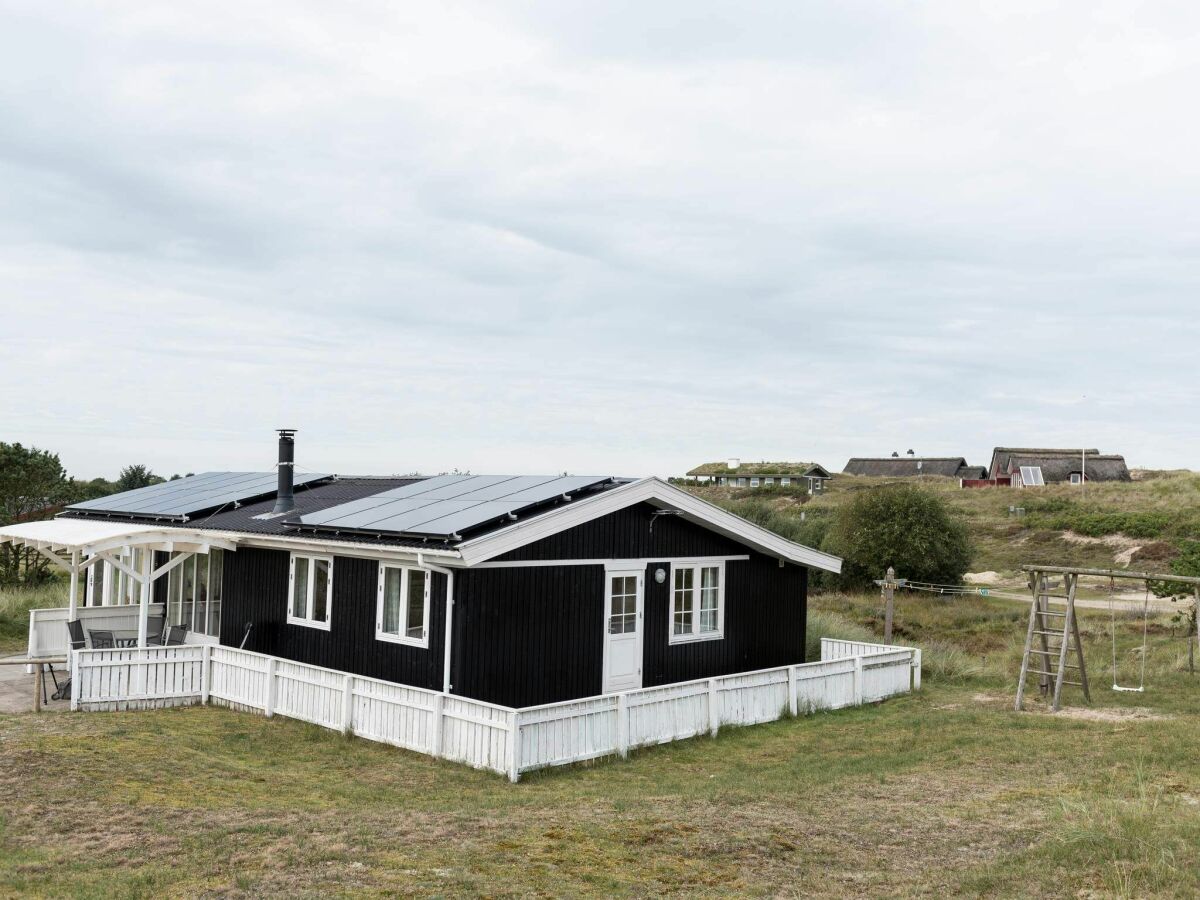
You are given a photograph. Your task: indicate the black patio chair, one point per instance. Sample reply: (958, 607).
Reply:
(156, 630)
(176, 635)
(102, 640)
(75, 636)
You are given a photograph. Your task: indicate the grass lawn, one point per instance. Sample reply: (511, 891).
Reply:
(948, 791)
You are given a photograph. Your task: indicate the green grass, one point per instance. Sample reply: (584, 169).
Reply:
(946, 792)
(15, 604)
(1155, 513)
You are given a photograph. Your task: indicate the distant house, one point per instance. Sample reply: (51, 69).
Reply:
(909, 466)
(735, 473)
(1057, 466)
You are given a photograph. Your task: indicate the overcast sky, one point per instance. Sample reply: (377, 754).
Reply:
(607, 237)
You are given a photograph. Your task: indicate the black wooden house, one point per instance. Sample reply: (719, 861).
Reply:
(518, 590)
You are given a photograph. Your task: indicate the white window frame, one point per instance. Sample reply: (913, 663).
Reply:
(785, 481)
(696, 634)
(308, 621)
(402, 637)
(1076, 478)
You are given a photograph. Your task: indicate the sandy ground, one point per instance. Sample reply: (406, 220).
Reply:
(16, 689)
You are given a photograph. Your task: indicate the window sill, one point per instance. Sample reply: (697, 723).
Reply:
(695, 638)
(308, 623)
(420, 643)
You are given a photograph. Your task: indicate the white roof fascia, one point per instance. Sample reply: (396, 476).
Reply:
(656, 492)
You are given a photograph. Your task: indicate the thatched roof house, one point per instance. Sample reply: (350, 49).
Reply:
(913, 466)
(1060, 464)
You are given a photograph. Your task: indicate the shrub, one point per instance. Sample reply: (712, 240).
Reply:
(900, 526)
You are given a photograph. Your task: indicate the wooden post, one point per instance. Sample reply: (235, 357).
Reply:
(436, 725)
(916, 674)
(73, 603)
(347, 703)
(714, 712)
(270, 704)
(205, 673)
(144, 598)
(793, 699)
(73, 671)
(514, 757)
(623, 725)
(858, 680)
(889, 596)
(38, 681)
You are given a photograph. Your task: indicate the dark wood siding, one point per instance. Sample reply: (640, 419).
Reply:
(255, 587)
(765, 610)
(632, 533)
(529, 635)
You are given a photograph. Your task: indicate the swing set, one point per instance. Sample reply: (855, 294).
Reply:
(1051, 662)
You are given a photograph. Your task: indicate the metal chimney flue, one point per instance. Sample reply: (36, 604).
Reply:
(285, 500)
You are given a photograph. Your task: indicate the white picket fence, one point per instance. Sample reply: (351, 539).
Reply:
(48, 627)
(485, 735)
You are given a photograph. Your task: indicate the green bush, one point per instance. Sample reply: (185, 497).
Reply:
(901, 526)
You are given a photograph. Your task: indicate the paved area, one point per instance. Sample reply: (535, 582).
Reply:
(16, 690)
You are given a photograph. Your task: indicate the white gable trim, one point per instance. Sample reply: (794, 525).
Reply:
(657, 493)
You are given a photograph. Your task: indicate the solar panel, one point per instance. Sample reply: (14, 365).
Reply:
(446, 505)
(186, 497)
(1031, 476)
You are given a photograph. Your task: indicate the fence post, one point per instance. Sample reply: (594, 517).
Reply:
(205, 673)
(916, 679)
(269, 709)
(889, 597)
(793, 700)
(514, 743)
(858, 681)
(347, 703)
(32, 648)
(75, 686)
(623, 725)
(714, 714)
(436, 725)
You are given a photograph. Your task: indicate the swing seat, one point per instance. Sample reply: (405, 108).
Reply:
(1136, 690)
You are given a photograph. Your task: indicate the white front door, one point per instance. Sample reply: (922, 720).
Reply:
(623, 631)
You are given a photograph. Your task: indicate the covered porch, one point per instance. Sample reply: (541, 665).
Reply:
(125, 605)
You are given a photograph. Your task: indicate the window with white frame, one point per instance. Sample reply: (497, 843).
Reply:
(109, 586)
(402, 612)
(697, 602)
(194, 593)
(753, 482)
(785, 481)
(310, 600)
(1076, 478)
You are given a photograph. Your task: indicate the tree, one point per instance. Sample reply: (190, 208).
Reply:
(136, 476)
(902, 526)
(33, 484)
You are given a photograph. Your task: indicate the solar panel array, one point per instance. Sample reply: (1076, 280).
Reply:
(446, 505)
(194, 494)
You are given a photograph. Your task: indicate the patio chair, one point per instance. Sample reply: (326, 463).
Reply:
(75, 636)
(156, 630)
(102, 640)
(175, 635)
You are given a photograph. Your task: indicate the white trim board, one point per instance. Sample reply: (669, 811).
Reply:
(655, 492)
(611, 565)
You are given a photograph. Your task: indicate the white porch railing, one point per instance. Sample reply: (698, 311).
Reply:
(48, 627)
(485, 735)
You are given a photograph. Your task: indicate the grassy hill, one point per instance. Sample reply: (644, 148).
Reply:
(1137, 524)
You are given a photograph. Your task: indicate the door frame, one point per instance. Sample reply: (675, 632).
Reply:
(606, 604)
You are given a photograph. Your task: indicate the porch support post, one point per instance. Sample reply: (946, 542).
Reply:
(144, 605)
(73, 603)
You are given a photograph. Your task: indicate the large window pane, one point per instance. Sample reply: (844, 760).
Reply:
(392, 583)
(320, 590)
(216, 573)
(200, 624)
(300, 588)
(416, 604)
(189, 591)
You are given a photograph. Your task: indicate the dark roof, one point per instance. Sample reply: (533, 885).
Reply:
(1001, 456)
(976, 472)
(784, 469)
(909, 466)
(1058, 468)
(313, 498)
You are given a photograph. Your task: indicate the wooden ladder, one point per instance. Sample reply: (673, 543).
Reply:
(1050, 661)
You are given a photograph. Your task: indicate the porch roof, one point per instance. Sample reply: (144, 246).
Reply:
(88, 537)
